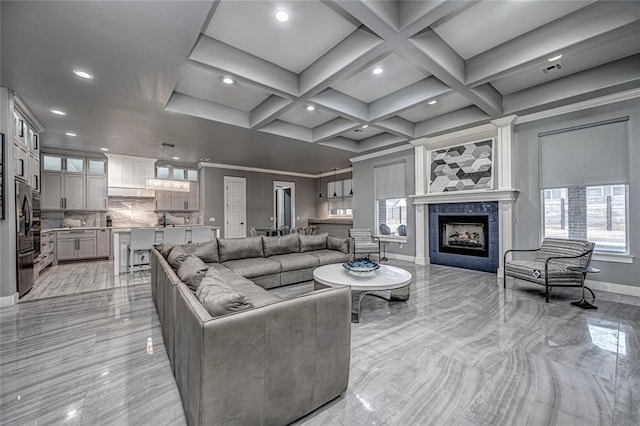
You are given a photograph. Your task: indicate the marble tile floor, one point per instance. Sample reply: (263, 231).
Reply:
(461, 351)
(80, 277)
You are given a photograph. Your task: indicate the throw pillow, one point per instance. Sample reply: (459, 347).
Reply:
(218, 298)
(313, 242)
(176, 257)
(191, 271)
(239, 248)
(280, 245)
(207, 251)
(164, 249)
(339, 244)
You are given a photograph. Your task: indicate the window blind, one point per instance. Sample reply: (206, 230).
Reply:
(597, 154)
(389, 180)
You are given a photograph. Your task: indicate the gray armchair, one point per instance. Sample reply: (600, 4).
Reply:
(364, 242)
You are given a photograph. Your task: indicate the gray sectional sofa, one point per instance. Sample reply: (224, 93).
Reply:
(264, 360)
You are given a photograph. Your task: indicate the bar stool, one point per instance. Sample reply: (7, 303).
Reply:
(174, 235)
(200, 234)
(141, 240)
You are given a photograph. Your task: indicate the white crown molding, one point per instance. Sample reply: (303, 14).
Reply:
(273, 172)
(579, 106)
(24, 109)
(381, 153)
(461, 136)
(466, 196)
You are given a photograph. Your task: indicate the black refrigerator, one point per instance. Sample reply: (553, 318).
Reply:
(24, 238)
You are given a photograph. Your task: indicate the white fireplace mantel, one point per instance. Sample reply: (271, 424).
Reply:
(466, 196)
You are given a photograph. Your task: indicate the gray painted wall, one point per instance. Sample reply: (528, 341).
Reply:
(364, 197)
(528, 207)
(260, 196)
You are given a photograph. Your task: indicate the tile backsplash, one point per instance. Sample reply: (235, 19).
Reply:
(124, 212)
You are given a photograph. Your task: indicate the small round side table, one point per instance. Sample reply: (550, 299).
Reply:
(584, 270)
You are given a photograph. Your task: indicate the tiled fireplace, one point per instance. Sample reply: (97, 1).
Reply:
(464, 235)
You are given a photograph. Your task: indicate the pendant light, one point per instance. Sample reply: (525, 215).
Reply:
(334, 182)
(351, 189)
(320, 194)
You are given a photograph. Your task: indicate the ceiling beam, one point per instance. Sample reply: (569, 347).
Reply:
(332, 129)
(288, 130)
(261, 114)
(590, 22)
(406, 98)
(379, 141)
(415, 16)
(398, 126)
(459, 119)
(341, 143)
(342, 104)
(189, 105)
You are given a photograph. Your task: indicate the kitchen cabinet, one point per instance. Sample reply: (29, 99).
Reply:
(34, 172)
(103, 243)
(47, 250)
(96, 193)
(73, 183)
(128, 175)
(21, 158)
(193, 197)
(179, 201)
(26, 155)
(76, 244)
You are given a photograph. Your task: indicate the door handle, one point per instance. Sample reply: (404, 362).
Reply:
(61, 205)
(241, 223)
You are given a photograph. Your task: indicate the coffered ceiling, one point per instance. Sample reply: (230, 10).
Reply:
(444, 65)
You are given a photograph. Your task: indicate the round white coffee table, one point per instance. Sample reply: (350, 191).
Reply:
(388, 282)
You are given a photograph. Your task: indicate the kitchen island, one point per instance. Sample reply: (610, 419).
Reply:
(121, 238)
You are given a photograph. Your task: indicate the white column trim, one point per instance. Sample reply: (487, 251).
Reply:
(8, 300)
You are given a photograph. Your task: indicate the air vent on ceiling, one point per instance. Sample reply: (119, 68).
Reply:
(552, 68)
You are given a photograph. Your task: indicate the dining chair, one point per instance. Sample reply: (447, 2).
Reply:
(200, 234)
(140, 240)
(174, 235)
(253, 232)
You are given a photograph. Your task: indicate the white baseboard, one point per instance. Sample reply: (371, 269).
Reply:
(422, 260)
(8, 300)
(401, 257)
(628, 290)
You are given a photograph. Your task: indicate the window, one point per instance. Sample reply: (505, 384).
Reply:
(75, 165)
(584, 176)
(391, 202)
(52, 162)
(392, 213)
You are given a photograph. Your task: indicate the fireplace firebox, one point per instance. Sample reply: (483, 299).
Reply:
(465, 235)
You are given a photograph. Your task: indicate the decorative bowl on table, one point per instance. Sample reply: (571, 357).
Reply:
(362, 265)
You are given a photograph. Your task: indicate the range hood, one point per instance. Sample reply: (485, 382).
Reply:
(128, 176)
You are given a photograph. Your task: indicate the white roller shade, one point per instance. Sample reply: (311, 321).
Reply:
(389, 180)
(586, 156)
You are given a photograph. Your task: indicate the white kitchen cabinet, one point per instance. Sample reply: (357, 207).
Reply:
(21, 158)
(179, 201)
(75, 192)
(76, 244)
(52, 191)
(34, 172)
(63, 191)
(128, 175)
(66, 249)
(163, 200)
(87, 248)
(96, 192)
(193, 197)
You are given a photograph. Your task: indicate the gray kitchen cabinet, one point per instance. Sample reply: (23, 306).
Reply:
(164, 200)
(52, 191)
(103, 243)
(66, 249)
(75, 192)
(193, 197)
(87, 248)
(96, 193)
(179, 201)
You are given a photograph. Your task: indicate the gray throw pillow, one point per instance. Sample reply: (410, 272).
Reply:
(339, 244)
(281, 245)
(312, 242)
(207, 251)
(164, 249)
(239, 248)
(192, 271)
(176, 257)
(218, 298)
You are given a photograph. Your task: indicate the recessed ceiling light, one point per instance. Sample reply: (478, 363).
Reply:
(311, 108)
(58, 112)
(365, 126)
(377, 70)
(104, 149)
(227, 80)
(175, 158)
(205, 159)
(433, 102)
(83, 74)
(282, 16)
(555, 58)
(71, 134)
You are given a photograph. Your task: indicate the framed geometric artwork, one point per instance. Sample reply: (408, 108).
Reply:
(463, 167)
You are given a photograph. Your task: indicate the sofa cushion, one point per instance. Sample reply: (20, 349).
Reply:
(176, 256)
(295, 261)
(312, 242)
(217, 267)
(532, 270)
(257, 295)
(280, 245)
(326, 257)
(218, 298)
(191, 271)
(253, 267)
(164, 248)
(239, 248)
(339, 244)
(206, 250)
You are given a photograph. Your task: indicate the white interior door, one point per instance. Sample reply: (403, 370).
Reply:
(235, 207)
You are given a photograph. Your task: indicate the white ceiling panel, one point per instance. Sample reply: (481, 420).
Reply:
(447, 103)
(367, 86)
(311, 31)
(490, 23)
(360, 133)
(202, 83)
(571, 63)
(300, 116)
